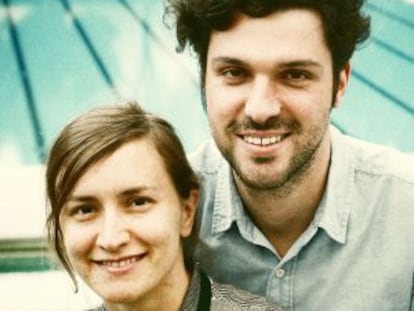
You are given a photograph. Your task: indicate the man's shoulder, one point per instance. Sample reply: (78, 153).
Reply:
(206, 159)
(228, 297)
(379, 160)
(385, 161)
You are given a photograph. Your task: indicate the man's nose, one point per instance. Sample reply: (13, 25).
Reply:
(114, 232)
(262, 102)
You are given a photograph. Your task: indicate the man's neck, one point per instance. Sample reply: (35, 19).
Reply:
(284, 217)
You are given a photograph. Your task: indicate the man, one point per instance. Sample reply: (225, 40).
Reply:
(293, 209)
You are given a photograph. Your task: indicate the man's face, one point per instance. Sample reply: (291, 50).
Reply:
(268, 87)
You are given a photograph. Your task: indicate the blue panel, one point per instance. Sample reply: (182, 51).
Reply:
(144, 65)
(389, 57)
(17, 141)
(391, 75)
(64, 78)
(403, 9)
(379, 104)
(368, 115)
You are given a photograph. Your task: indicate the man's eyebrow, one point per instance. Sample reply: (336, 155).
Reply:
(300, 63)
(228, 60)
(284, 64)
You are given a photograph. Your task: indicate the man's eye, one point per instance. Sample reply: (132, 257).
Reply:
(297, 75)
(233, 75)
(232, 72)
(140, 202)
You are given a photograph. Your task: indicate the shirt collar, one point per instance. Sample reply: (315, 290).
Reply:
(226, 201)
(333, 212)
(228, 209)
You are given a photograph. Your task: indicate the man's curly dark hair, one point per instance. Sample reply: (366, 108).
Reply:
(345, 25)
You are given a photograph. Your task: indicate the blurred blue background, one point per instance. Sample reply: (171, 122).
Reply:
(59, 58)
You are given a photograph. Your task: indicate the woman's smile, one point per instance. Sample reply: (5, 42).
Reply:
(120, 265)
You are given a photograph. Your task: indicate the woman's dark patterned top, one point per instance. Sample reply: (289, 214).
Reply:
(204, 294)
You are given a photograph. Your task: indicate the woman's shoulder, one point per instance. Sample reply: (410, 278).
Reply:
(228, 297)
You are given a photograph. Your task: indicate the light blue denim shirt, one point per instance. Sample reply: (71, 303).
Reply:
(357, 254)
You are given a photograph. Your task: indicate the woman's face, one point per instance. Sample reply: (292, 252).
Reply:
(123, 223)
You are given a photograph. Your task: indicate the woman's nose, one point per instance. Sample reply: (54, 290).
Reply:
(114, 233)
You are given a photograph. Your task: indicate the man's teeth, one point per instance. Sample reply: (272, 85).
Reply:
(265, 141)
(120, 263)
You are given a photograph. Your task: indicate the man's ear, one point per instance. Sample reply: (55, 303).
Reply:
(342, 84)
(189, 211)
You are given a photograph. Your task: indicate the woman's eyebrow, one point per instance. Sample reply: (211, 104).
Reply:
(136, 190)
(80, 198)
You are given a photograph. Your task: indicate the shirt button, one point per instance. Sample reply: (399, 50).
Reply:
(280, 273)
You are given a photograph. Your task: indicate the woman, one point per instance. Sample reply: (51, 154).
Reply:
(122, 198)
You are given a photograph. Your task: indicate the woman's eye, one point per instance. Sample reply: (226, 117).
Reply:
(139, 201)
(85, 209)
(82, 211)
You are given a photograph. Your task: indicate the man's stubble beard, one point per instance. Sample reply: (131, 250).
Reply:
(298, 169)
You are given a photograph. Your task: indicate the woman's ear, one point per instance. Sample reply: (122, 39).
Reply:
(189, 211)
(342, 84)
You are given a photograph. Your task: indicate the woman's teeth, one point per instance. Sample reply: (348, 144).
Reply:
(120, 263)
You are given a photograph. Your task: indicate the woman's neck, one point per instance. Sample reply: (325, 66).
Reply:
(167, 296)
